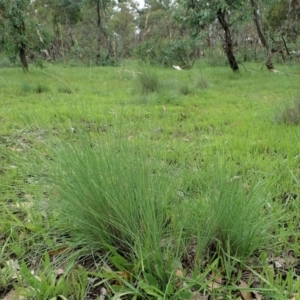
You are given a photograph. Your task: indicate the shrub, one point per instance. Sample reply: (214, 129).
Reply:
(168, 52)
(216, 58)
(5, 62)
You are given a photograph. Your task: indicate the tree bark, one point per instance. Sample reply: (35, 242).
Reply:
(285, 45)
(22, 47)
(98, 56)
(228, 47)
(257, 21)
(22, 54)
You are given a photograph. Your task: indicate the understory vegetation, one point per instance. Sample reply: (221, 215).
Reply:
(139, 182)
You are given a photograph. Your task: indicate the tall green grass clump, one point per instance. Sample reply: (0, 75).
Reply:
(112, 195)
(117, 198)
(185, 89)
(64, 89)
(26, 88)
(236, 214)
(239, 215)
(201, 83)
(289, 113)
(41, 88)
(148, 81)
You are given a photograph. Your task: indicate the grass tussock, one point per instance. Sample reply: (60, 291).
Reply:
(237, 213)
(115, 197)
(201, 83)
(149, 81)
(26, 88)
(112, 196)
(64, 90)
(289, 113)
(41, 88)
(185, 89)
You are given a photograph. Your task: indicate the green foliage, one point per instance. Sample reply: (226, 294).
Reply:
(5, 62)
(14, 13)
(283, 19)
(67, 11)
(123, 25)
(168, 52)
(199, 14)
(20, 32)
(67, 283)
(216, 58)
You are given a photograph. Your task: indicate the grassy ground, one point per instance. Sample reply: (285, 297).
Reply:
(213, 151)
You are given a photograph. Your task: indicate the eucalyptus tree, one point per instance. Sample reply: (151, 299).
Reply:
(102, 10)
(283, 19)
(22, 32)
(257, 17)
(162, 39)
(66, 14)
(14, 37)
(201, 13)
(122, 24)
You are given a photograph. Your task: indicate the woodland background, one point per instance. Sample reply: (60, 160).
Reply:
(164, 32)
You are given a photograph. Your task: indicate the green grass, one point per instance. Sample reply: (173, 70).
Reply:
(154, 183)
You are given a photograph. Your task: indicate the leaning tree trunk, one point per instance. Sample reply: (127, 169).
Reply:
(228, 40)
(257, 21)
(22, 54)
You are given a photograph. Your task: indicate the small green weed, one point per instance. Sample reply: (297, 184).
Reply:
(48, 283)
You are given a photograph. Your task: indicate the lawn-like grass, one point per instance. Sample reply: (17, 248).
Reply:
(206, 144)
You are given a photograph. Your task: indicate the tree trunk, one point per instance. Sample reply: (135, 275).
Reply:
(257, 21)
(22, 54)
(21, 30)
(285, 45)
(98, 56)
(228, 47)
